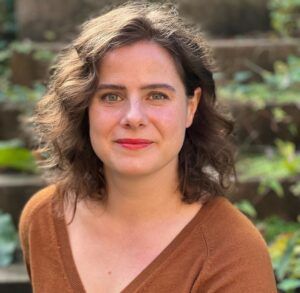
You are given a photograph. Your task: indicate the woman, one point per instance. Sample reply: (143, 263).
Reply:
(140, 158)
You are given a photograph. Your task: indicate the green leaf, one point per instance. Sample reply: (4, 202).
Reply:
(276, 186)
(289, 284)
(274, 226)
(43, 55)
(242, 76)
(295, 189)
(17, 158)
(279, 114)
(8, 239)
(286, 149)
(25, 47)
(293, 129)
(271, 184)
(284, 264)
(247, 208)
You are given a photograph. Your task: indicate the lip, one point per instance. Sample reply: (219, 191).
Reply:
(134, 143)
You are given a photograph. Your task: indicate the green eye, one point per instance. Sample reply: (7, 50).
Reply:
(110, 98)
(159, 96)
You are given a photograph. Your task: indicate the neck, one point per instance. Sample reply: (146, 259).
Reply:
(144, 198)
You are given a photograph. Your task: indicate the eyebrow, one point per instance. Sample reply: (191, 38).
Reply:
(145, 87)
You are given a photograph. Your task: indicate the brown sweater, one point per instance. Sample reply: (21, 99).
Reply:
(219, 250)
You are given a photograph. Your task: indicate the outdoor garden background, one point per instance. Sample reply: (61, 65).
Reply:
(257, 47)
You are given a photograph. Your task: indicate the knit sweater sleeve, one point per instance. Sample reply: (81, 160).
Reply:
(26, 220)
(24, 231)
(238, 258)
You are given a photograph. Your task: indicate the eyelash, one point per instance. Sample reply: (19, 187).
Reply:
(104, 97)
(165, 97)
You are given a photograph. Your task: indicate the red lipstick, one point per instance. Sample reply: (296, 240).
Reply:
(134, 143)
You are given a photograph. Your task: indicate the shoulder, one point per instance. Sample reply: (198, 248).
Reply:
(227, 228)
(236, 251)
(225, 222)
(30, 212)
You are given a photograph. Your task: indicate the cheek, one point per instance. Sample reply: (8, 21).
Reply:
(98, 128)
(173, 118)
(94, 121)
(171, 124)
(101, 120)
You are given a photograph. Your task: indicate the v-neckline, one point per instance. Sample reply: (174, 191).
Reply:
(71, 269)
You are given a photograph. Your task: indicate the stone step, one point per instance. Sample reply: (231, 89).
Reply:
(232, 55)
(14, 279)
(10, 124)
(269, 204)
(225, 18)
(15, 190)
(258, 127)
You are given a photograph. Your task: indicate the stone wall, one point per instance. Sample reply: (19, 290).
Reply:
(228, 17)
(42, 20)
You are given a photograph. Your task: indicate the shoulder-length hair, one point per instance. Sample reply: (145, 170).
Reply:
(205, 161)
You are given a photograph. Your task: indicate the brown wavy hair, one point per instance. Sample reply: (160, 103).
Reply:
(205, 161)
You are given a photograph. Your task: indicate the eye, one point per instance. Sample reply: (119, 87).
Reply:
(158, 96)
(111, 98)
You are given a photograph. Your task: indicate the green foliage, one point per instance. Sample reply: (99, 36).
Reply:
(277, 164)
(16, 92)
(284, 248)
(273, 226)
(247, 208)
(285, 255)
(289, 284)
(295, 189)
(15, 157)
(21, 96)
(8, 239)
(8, 26)
(282, 162)
(278, 87)
(271, 168)
(5, 55)
(286, 74)
(29, 47)
(285, 17)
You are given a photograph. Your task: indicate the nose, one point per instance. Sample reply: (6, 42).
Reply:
(134, 115)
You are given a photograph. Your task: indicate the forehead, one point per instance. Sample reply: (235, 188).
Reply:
(142, 58)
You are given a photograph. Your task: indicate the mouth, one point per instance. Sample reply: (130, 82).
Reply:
(134, 143)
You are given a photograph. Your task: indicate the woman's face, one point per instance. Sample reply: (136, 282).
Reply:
(140, 112)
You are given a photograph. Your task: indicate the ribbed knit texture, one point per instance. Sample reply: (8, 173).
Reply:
(219, 250)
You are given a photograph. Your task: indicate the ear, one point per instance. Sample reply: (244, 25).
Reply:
(192, 106)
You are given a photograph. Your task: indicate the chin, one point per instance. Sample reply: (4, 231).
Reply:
(132, 170)
(135, 172)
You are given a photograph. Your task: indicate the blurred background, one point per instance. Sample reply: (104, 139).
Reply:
(256, 44)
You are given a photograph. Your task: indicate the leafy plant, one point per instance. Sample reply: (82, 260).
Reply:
(271, 167)
(7, 19)
(247, 208)
(285, 255)
(285, 17)
(29, 47)
(283, 244)
(14, 156)
(24, 97)
(273, 226)
(21, 96)
(8, 239)
(278, 87)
